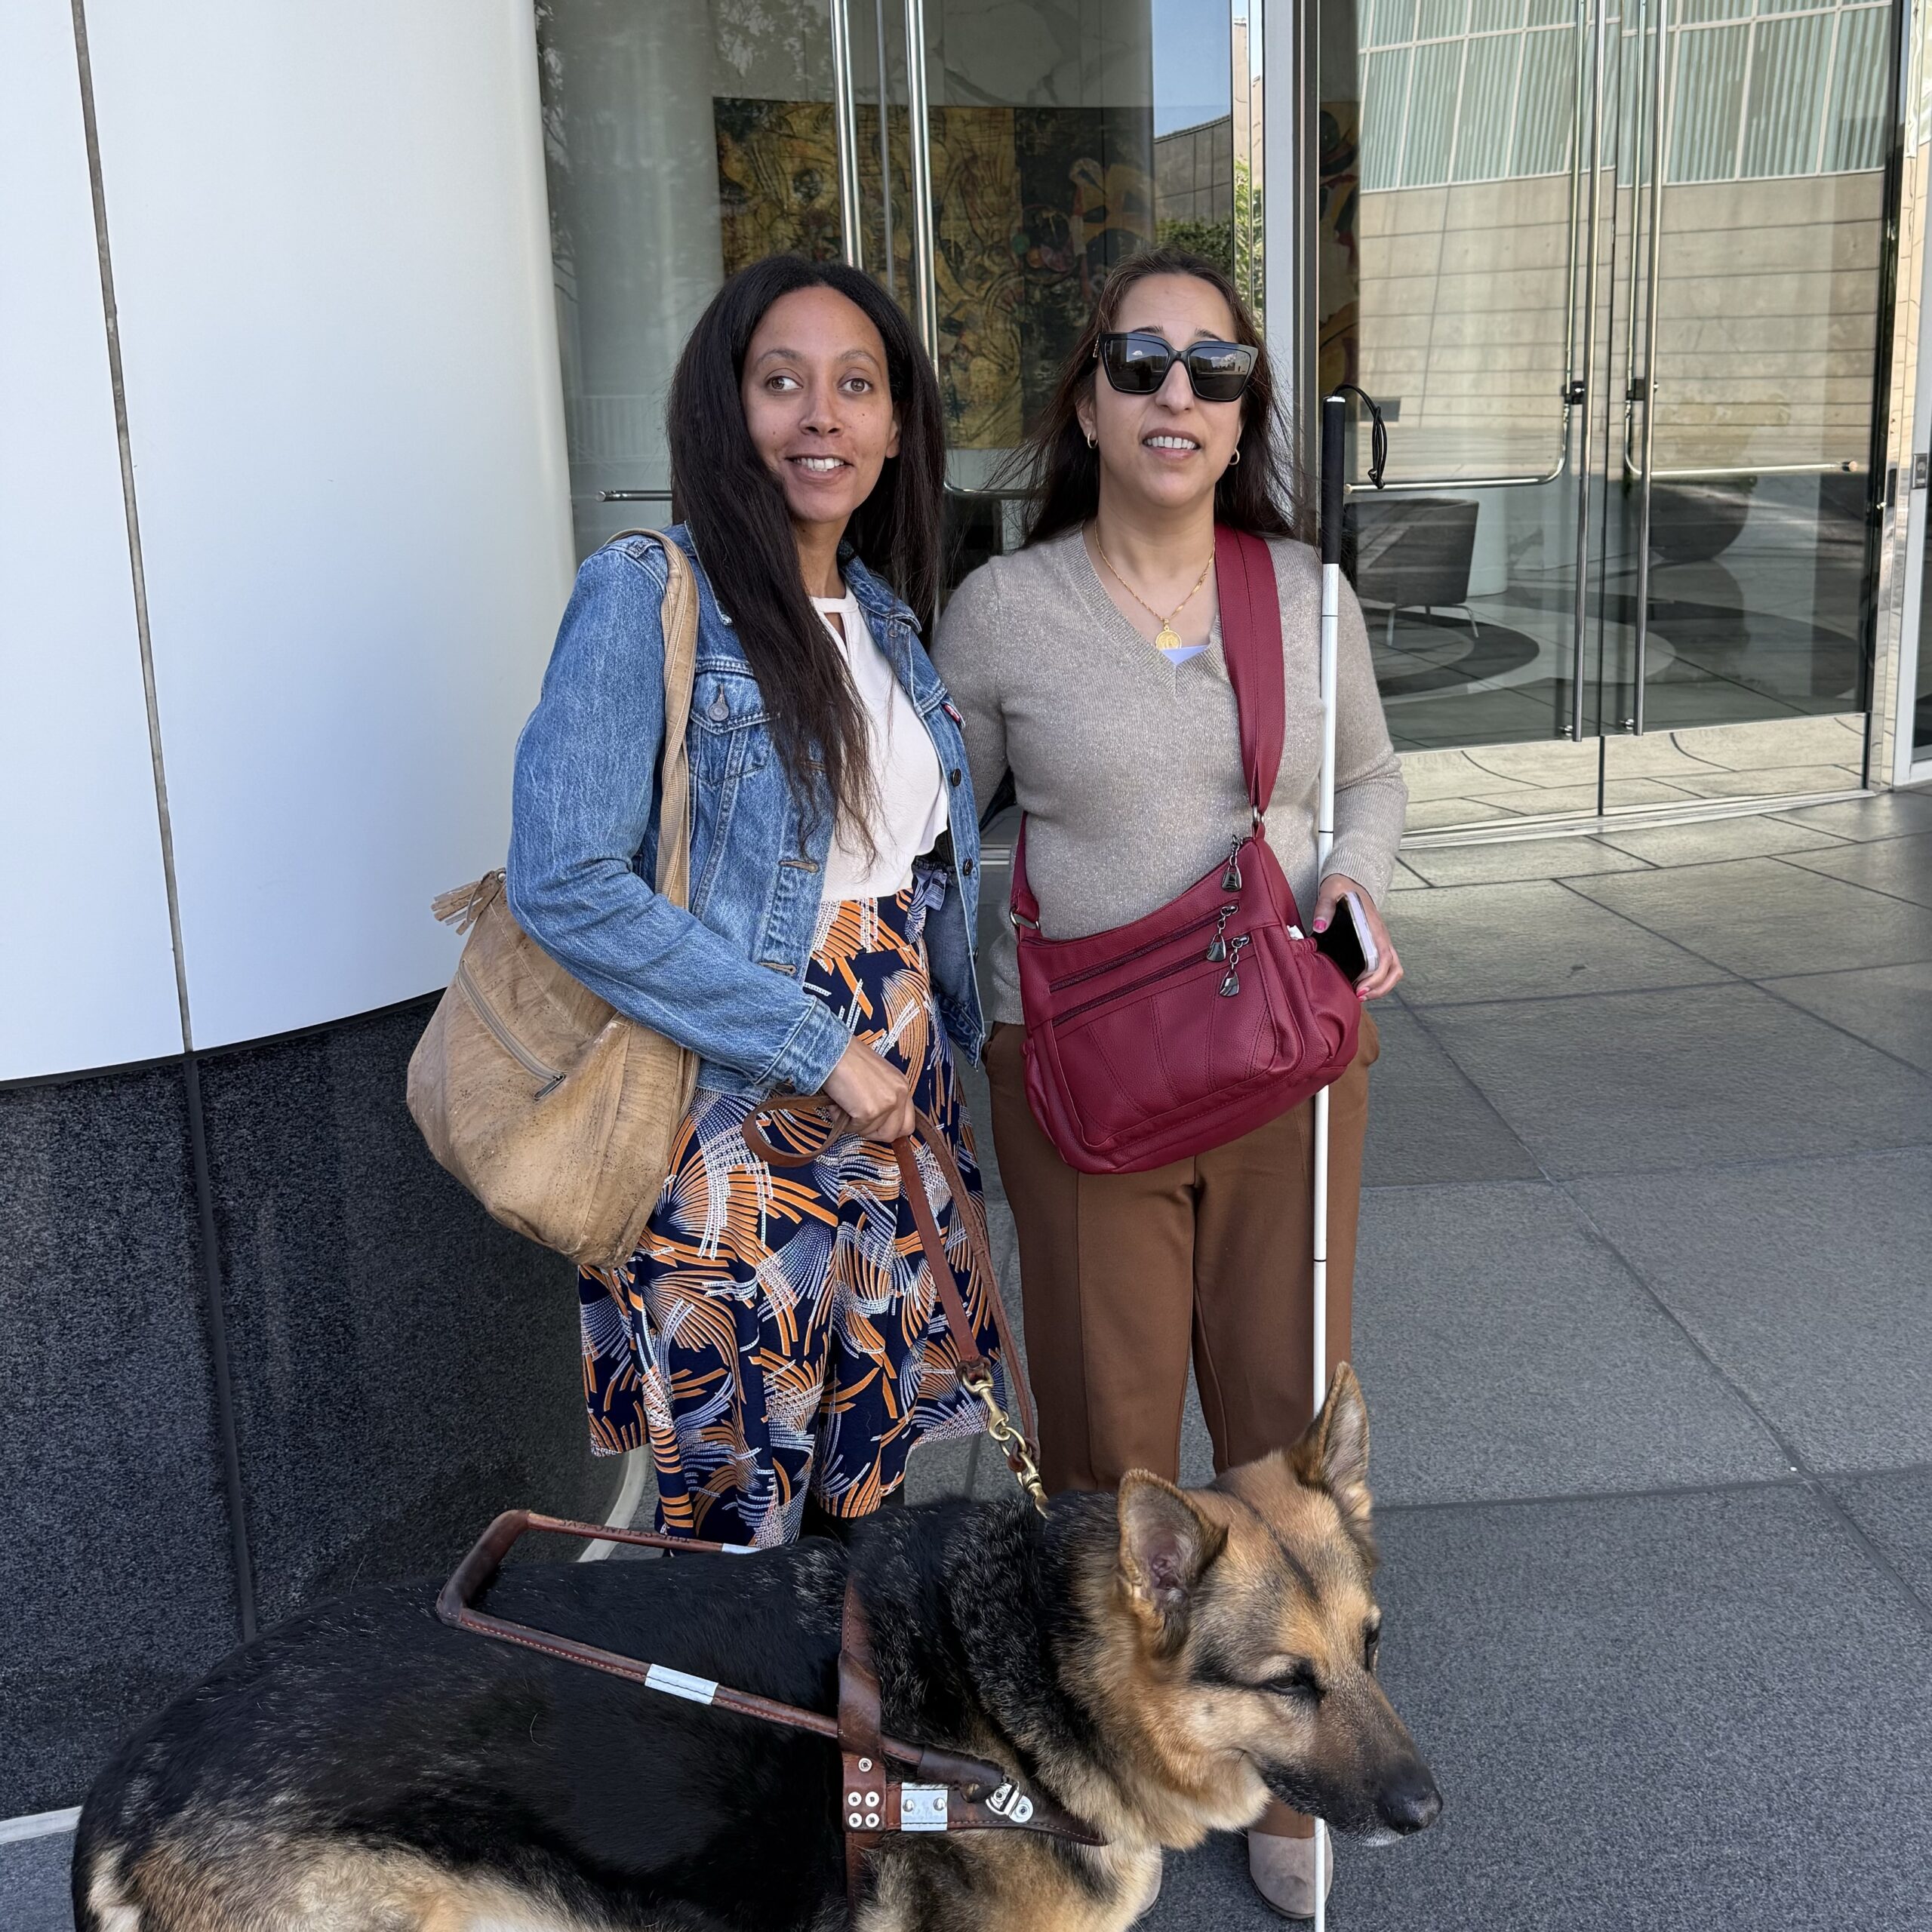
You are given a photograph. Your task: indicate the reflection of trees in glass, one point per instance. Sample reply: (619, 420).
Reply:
(1235, 244)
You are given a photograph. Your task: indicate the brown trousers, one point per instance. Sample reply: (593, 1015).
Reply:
(1122, 1274)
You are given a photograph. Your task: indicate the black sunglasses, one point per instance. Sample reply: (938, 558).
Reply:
(1137, 363)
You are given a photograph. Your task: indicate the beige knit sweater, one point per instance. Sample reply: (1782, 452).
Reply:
(1128, 768)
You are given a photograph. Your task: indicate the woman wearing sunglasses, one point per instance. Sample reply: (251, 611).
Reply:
(1089, 664)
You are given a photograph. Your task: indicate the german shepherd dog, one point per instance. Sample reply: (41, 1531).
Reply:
(1159, 1663)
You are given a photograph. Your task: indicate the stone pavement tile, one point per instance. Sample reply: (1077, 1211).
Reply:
(1806, 1282)
(1890, 815)
(1789, 781)
(1583, 799)
(1521, 941)
(1518, 859)
(1625, 1082)
(1434, 814)
(1890, 1006)
(1760, 917)
(1750, 837)
(1426, 1122)
(1504, 1351)
(1678, 1714)
(1895, 1512)
(1451, 774)
(33, 1883)
(1902, 868)
(1402, 880)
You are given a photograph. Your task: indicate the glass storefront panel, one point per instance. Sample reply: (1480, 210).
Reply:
(1698, 354)
(684, 139)
(1630, 419)
(1064, 138)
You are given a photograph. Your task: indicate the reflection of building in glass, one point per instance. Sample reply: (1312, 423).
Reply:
(1774, 138)
(1194, 174)
(1204, 174)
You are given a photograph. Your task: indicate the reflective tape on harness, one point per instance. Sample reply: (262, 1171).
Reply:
(922, 1807)
(682, 1683)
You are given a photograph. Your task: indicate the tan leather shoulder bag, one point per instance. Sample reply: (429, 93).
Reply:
(556, 1111)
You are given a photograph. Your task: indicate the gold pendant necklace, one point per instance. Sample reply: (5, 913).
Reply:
(1166, 638)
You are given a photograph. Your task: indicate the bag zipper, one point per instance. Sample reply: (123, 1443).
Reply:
(1139, 953)
(505, 1039)
(1132, 986)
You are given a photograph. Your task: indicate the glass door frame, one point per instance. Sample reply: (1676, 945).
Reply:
(1914, 514)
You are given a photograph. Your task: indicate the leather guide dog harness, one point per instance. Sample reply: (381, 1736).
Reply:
(948, 1791)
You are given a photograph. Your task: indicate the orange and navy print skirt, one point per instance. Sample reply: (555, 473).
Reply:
(777, 1335)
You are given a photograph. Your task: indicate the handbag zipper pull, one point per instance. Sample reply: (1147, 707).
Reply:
(1217, 946)
(1231, 877)
(1231, 981)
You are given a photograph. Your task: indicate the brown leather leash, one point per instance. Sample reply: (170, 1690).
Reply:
(976, 1373)
(948, 1791)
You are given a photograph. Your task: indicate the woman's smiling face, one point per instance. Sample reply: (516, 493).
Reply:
(818, 403)
(1167, 449)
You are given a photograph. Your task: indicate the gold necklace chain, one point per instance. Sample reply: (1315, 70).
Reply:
(1166, 638)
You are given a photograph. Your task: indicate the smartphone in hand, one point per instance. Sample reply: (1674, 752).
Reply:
(1348, 941)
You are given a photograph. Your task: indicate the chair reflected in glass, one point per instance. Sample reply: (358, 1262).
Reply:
(1413, 553)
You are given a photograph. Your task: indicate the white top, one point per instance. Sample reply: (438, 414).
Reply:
(906, 774)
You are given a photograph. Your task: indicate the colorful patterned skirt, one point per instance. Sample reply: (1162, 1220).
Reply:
(777, 1334)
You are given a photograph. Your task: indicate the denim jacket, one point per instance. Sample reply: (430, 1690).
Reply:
(724, 978)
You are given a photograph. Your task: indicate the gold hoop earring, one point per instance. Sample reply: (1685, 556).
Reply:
(1236, 458)
(1092, 442)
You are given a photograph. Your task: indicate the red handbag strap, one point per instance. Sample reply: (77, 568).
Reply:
(1251, 643)
(1019, 895)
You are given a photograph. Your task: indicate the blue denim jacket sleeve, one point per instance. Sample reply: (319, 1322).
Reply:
(582, 806)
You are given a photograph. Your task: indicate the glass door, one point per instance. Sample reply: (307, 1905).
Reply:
(1618, 270)
(684, 140)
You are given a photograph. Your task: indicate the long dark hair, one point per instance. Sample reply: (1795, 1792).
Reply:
(736, 512)
(1062, 476)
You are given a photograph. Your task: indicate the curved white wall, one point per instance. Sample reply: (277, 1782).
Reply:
(87, 974)
(331, 244)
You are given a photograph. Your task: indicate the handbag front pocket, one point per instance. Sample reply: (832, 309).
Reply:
(1170, 1044)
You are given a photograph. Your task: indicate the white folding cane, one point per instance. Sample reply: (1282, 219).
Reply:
(1335, 410)
(1334, 424)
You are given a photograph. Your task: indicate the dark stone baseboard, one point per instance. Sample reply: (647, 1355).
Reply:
(401, 1367)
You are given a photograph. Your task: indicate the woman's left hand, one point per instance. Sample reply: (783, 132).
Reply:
(1388, 965)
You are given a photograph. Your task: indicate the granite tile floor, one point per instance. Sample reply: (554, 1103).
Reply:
(1642, 1317)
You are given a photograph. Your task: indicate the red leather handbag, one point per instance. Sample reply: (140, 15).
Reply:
(1153, 1041)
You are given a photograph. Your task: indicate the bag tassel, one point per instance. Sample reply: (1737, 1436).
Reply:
(464, 905)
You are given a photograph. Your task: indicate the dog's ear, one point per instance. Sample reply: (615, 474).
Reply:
(1166, 1547)
(1333, 1453)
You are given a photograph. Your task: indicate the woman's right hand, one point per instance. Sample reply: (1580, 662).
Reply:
(872, 1094)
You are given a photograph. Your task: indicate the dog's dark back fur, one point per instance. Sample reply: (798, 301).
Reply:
(368, 1719)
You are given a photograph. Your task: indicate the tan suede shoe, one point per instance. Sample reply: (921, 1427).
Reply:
(1283, 1870)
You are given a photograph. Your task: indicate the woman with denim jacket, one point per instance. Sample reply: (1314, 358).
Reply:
(775, 1340)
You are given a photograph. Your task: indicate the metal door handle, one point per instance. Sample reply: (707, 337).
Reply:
(919, 149)
(845, 124)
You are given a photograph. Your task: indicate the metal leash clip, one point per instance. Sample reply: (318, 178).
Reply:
(1011, 1442)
